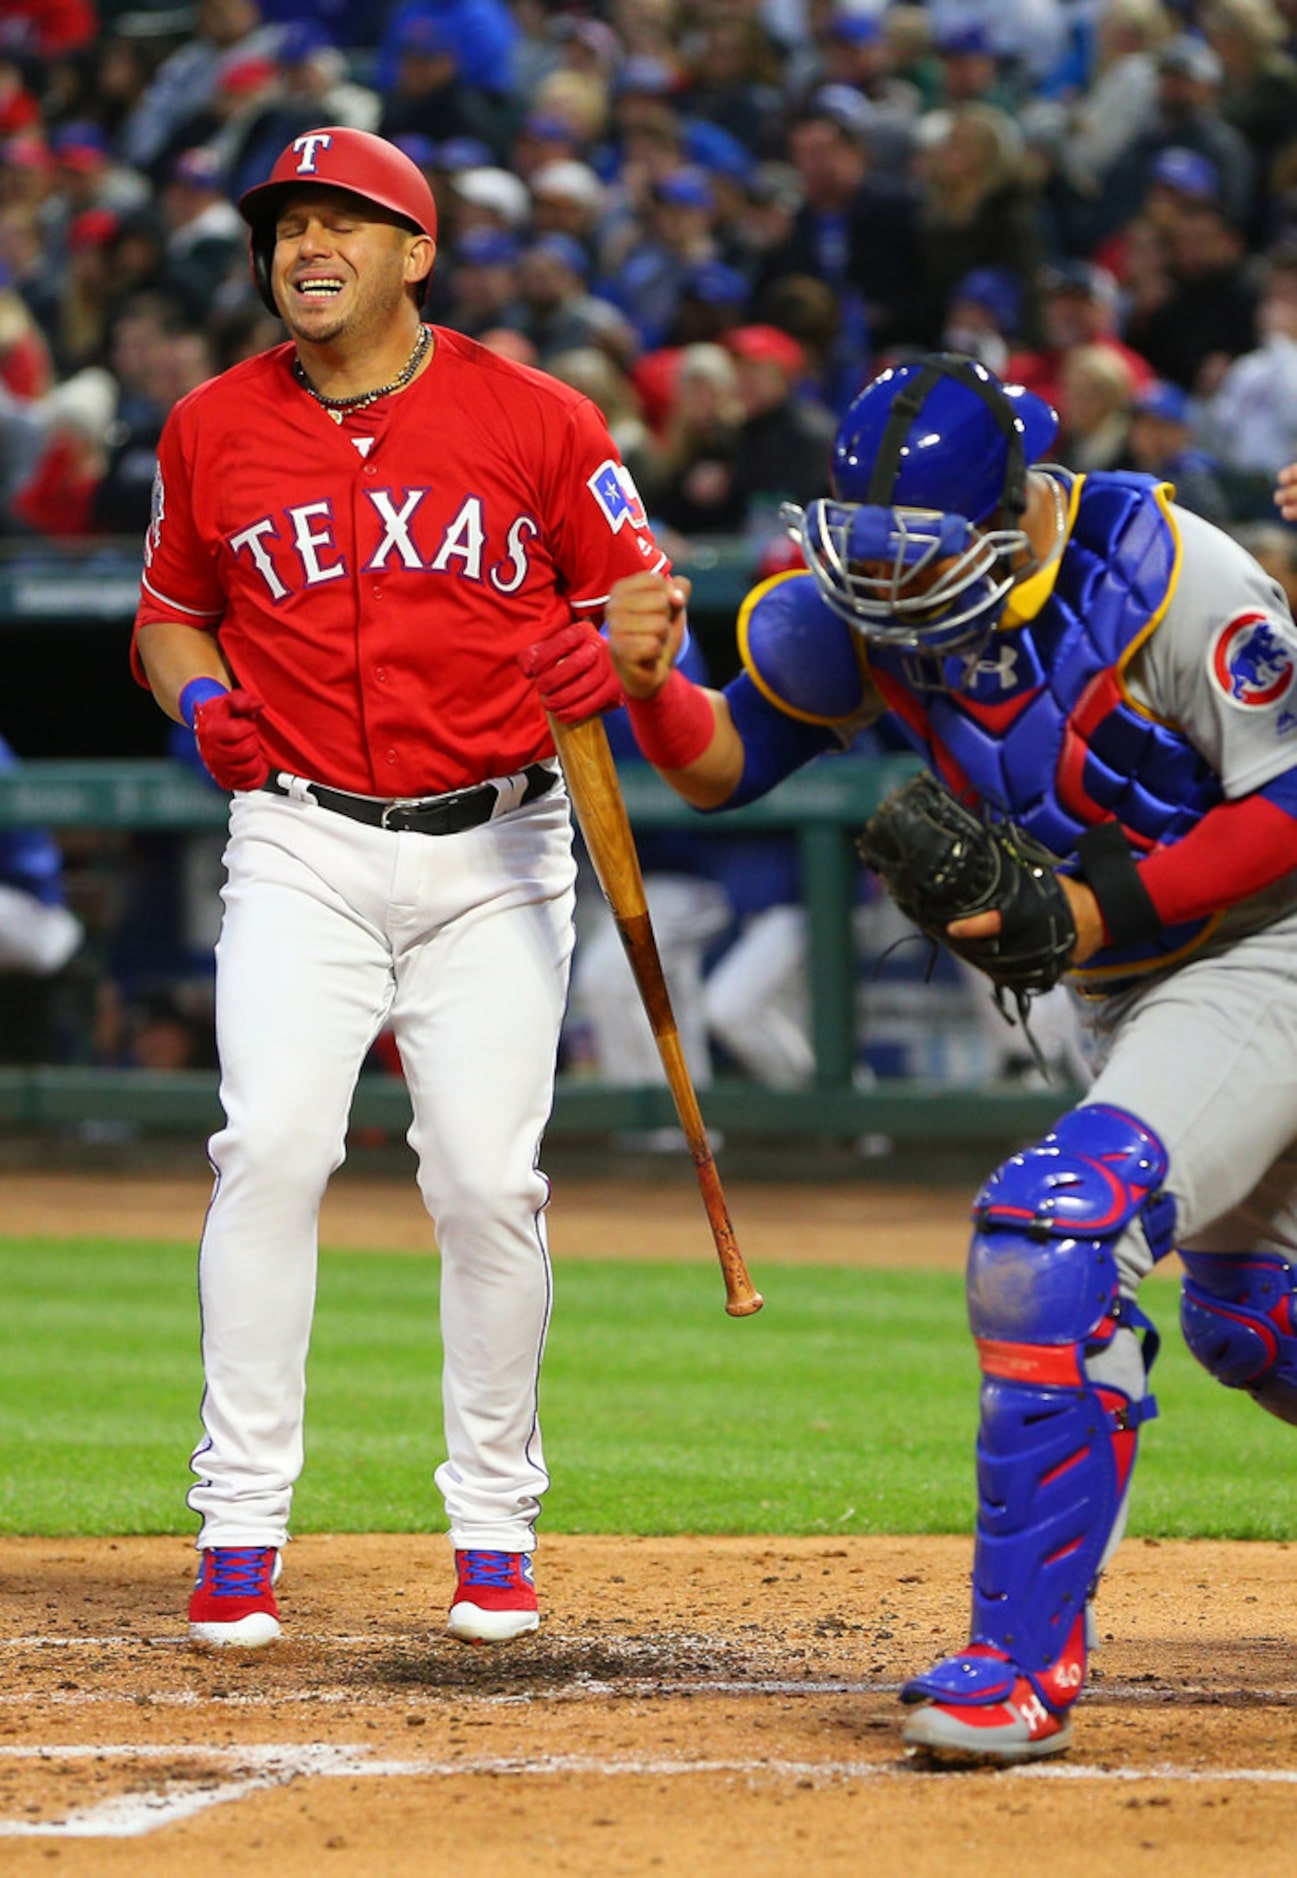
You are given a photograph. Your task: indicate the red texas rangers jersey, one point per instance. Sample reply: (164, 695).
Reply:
(377, 603)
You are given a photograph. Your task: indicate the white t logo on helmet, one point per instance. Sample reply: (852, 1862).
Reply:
(308, 145)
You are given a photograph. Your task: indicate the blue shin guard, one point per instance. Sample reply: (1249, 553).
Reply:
(1239, 1317)
(1063, 1397)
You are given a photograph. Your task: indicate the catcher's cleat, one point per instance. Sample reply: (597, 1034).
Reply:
(495, 1597)
(979, 1706)
(232, 1600)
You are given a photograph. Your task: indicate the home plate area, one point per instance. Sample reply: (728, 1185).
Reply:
(693, 1706)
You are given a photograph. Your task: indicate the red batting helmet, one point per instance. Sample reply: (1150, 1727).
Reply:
(337, 158)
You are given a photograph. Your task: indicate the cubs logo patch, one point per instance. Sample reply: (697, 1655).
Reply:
(1252, 661)
(613, 488)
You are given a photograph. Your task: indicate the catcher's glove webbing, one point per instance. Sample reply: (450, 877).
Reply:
(942, 863)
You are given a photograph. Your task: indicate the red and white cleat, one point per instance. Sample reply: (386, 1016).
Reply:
(232, 1600)
(495, 1597)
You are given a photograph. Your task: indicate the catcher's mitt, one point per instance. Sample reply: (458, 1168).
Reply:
(942, 863)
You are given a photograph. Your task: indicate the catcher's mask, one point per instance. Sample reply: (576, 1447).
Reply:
(338, 157)
(919, 544)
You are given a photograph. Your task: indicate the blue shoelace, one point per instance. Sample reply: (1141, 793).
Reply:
(239, 1571)
(488, 1568)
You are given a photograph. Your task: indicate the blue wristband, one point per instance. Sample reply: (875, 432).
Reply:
(197, 692)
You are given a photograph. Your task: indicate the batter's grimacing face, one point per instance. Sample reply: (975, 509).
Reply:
(342, 265)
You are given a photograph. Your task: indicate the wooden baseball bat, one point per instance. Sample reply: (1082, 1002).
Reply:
(601, 812)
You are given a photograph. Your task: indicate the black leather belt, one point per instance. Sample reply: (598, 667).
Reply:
(420, 815)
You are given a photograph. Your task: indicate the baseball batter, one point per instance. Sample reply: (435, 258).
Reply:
(356, 538)
(1119, 678)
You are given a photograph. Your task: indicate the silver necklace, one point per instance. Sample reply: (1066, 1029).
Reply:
(344, 406)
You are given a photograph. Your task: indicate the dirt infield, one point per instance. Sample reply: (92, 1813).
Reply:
(700, 1708)
(856, 1223)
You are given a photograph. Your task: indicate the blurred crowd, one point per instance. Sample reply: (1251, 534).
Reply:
(717, 219)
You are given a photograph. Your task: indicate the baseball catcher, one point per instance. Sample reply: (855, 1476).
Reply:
(1106, 686)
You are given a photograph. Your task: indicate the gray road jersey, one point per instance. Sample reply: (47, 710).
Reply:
(1222, 666)
(1214, 677)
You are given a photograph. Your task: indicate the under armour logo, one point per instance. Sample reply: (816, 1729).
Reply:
(308, 145)
(1002, 669)
(1034, 1713)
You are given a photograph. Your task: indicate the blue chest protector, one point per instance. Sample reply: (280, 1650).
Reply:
(1044, 730)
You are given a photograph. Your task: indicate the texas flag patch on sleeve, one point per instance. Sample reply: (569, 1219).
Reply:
(613, 488)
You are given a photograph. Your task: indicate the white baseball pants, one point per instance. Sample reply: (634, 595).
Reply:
(462, 943)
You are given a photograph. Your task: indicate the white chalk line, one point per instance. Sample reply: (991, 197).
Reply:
(257, 1768)
(133, 1815)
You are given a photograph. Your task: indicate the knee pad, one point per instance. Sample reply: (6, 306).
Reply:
(1063, 1391)
(1239, 1317)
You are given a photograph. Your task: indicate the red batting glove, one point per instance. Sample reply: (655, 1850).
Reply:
(225, 729)
(573, 672)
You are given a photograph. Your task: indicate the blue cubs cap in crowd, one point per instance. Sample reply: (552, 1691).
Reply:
(463, 153)
(1188, 172)
(422, 33)
(714, 149)
(996, 289)
(301, 40)
(420, 149)
(565, 249)
(549, 127)
(855, 29)
(486, 247)
(970, 39)
(686, 188)
(715, 284)
(199, 168)
(80, 146)
(1160, 399)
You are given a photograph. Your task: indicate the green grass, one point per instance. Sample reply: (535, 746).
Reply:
(847, 1406)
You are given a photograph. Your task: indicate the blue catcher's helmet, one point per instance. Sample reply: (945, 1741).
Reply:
(929, 473)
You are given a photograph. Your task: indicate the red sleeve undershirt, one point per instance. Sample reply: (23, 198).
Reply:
(1236, 850)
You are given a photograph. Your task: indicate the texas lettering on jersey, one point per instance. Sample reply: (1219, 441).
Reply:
(298, 547)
